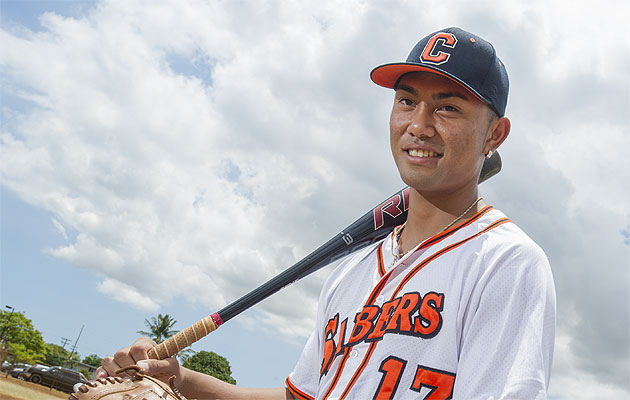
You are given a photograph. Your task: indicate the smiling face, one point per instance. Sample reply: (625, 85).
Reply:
(440, 132)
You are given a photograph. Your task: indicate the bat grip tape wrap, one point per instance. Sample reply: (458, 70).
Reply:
(185, 338)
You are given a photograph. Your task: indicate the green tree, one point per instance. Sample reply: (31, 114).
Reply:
(57, 355)
(21, 338)
(185, 354)
(210, 363)
(86, 372)
(160, 327)
(93, 360)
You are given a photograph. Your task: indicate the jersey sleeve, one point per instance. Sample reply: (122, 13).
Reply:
(507, 340)
(303, 380)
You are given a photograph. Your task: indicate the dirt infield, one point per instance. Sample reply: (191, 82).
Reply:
(16, 389)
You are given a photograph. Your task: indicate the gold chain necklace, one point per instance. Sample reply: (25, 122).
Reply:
(399, 229)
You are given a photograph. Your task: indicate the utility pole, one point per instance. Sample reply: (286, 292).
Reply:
(64, 343)
(75, 344)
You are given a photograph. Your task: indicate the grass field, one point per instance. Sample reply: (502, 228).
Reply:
(15, 389)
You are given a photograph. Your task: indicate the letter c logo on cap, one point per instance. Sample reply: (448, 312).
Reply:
(432, 53)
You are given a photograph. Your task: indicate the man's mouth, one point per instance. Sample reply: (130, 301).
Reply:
(423, 153)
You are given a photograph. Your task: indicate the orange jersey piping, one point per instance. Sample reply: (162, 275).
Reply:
(297, 392)
(432, 240)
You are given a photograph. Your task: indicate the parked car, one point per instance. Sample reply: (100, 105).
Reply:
(35, 367)
(7, 366)
(17, 372)
(55, 377)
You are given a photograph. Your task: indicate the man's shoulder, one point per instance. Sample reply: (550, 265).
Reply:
(511, 258)
(508, 237)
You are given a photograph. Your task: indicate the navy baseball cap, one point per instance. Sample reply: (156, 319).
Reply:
(459, 55)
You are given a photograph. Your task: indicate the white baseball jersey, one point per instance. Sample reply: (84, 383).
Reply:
(468, 314)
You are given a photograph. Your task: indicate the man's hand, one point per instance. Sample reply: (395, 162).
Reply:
(191, 384)
(136, 354)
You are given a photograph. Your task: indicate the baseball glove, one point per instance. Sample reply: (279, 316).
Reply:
(137, 386)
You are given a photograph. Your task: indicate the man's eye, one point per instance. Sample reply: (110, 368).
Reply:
(406, 102)
(448, 108)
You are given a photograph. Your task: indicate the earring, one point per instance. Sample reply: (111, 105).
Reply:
(489, 154)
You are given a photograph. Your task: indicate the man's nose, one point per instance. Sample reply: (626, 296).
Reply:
(421, 123)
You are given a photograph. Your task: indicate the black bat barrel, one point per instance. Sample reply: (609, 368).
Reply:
(368, 229)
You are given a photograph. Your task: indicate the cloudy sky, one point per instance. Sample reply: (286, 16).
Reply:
(168, 157)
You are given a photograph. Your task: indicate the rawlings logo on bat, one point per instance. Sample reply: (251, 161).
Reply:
(391, 207)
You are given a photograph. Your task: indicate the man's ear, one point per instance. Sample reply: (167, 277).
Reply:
(498, 131)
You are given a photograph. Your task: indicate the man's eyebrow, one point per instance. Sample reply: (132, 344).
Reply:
(436, 96)
(407, 89)
(446, 95)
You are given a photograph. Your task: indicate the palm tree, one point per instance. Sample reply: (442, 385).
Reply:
(159, 328)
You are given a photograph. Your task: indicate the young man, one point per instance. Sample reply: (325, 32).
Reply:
(458, 302)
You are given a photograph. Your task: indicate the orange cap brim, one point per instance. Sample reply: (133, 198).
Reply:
(388, 75)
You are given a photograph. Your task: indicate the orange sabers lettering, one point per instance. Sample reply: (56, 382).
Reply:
(386, 313)
(429, 322)
(410, 314)
(330, 346)
(363, 324)
(342, 338)
(401, 318)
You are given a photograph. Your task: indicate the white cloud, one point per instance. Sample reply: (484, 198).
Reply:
(570, 382)
(198, 151)
(60, 229)
(127, 294)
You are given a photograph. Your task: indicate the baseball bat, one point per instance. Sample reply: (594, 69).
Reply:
(371, 227)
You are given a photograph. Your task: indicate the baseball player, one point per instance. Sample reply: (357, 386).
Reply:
(457, 303)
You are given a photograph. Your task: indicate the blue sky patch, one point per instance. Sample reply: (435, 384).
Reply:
(27, 12)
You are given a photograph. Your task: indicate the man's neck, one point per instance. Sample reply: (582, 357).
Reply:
(429, 214)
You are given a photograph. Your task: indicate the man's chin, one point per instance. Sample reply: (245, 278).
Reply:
(421, 183)
(436, 183)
